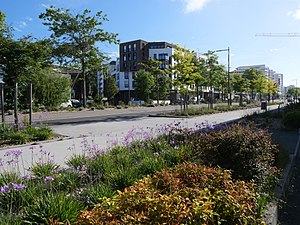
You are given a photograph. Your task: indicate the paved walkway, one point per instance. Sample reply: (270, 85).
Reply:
(289, 212)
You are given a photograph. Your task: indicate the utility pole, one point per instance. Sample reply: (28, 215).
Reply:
(228, 73)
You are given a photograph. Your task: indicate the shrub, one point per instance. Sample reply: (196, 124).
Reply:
(292, 119)
(245, 150)
(187, 194)
(50, 207)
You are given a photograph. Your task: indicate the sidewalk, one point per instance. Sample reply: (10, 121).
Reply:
(289, 211)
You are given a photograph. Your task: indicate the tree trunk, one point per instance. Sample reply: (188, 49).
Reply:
(241, 99)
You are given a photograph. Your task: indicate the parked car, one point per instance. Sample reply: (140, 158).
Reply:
(76, 103)
(67, 104)
(136, 102)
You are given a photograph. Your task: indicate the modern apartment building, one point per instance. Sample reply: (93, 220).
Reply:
(269, 73)
(132, 55)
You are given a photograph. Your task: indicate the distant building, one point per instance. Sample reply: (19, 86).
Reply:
(269, 73)
(132, 55)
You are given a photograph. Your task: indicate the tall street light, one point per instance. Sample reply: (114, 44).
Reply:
(228, 75)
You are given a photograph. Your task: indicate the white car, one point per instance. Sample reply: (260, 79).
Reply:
(67, 104)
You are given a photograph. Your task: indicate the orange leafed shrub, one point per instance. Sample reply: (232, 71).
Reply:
(186, 194)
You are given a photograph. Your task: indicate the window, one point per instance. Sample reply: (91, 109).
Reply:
(163, 56)
(134, 47)
(155, 56)
(124, 48)
(126, 75)
(134, 56)
(126, 83)
(129, 56)
(118, 84)
(133, 75)
(129, 48)
(124, 58)
(118, 77)
(134, 65)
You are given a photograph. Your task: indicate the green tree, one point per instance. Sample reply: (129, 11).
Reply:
(110, 88)
(76, 39)
(260, 84)
(199, 75)
(240, 85)
(50, 88)
(293, 92)
(184, 70)
(252, 75)
(161, 82)
(213, 73)
(144, 84)
(272, 88)
(20, 59)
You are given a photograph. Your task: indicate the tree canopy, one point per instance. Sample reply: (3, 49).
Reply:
(75, 38)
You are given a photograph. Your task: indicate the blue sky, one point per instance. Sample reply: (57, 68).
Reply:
(200, 25)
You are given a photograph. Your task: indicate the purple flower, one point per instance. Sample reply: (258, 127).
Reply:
(18, 187)
(15, 152)
(5, 189)
(49, 179)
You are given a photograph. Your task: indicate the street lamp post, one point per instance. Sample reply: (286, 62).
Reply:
(228, 75)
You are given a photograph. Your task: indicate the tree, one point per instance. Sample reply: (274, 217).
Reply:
(252, 75)
(161, 86)
(294, 92)
(50, 88)
(272, 89)
(75, 38)
(144, 84)
(199, 74)
(213, 71)
(184, 71)
(110, 88)
(260, 84)
(240, 85)
(20, 59)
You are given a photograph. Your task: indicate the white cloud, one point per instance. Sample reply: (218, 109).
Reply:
(17, 29)
(295, 14)
(29, 18)
(22, 24)
(45, 5)
(194, 5)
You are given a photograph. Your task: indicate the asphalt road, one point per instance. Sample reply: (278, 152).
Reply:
(102, 132)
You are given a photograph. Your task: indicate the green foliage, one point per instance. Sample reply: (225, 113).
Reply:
(9, 135)
(247, 151)
(76, 38)
(144, 83)
(292, 119)
(59, 207)
(110, 88)
(187, 194)
(50, 88)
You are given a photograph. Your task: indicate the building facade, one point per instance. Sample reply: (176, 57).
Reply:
(269, 73)
(132, 55)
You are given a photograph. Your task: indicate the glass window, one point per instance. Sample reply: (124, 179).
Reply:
(126, 83)
(124, 58)
(129, 47)
(129, 56)
(124, 48)
(155, 56)
(126, 75)
(134, 56)
(134, 47)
